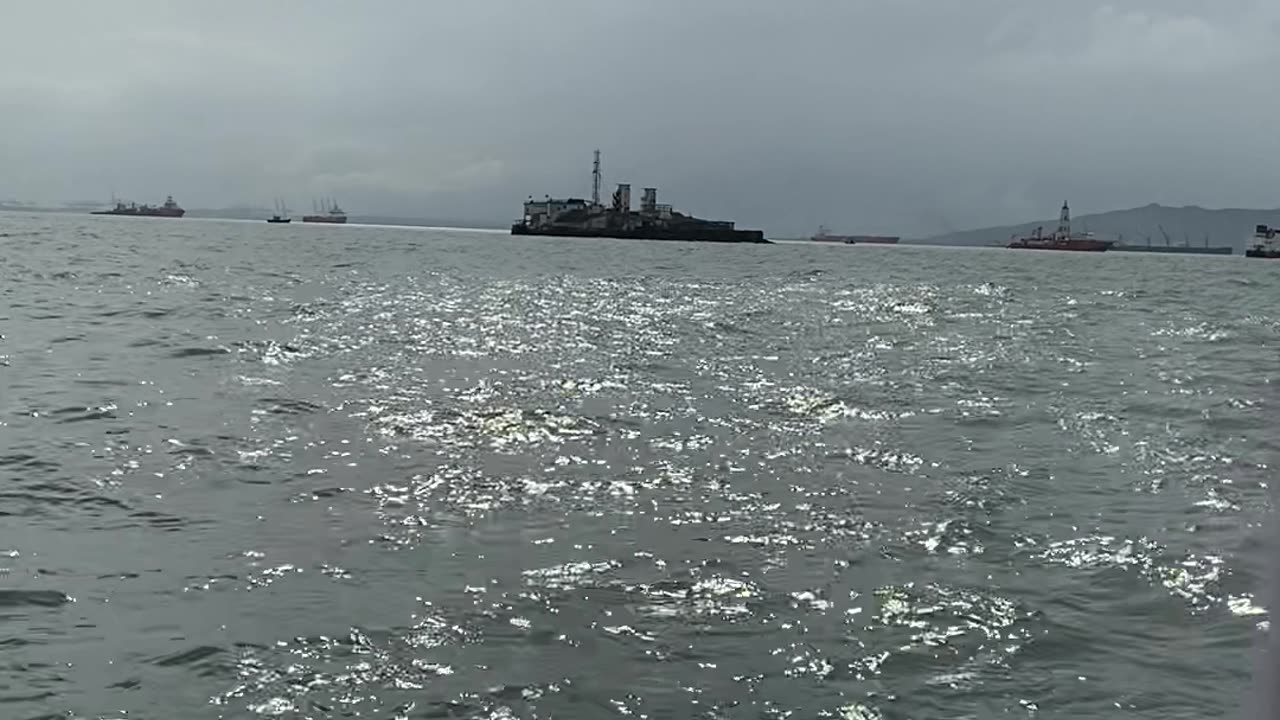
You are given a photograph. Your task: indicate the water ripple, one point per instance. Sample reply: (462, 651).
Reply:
(415, 473)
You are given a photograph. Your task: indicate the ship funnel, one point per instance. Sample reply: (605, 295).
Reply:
(622, 198)
(649, 201)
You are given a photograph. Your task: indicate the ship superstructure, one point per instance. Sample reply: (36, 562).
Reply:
(824, 235)
(1062, 238)
(1264, 244)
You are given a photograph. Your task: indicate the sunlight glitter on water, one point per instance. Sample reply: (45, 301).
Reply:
(761, 486)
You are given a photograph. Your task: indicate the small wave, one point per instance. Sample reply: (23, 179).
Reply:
(34, 598)
(190, 656)
(190, 352)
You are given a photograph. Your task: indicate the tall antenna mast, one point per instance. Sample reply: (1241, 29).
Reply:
(595, 180)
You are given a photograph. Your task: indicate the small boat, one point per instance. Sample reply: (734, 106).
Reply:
(282, 214)
(1062, 239)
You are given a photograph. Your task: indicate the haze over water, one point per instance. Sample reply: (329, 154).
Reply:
(311, 472)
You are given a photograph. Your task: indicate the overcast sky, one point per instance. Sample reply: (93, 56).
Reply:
(906, 116)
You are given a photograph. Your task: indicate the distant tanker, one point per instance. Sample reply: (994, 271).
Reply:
(823, 236)
(169, 209)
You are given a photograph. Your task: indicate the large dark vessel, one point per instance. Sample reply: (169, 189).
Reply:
(1061, 239)
(169, 209)
(1266, 243)
(333, 215)
(576, 217)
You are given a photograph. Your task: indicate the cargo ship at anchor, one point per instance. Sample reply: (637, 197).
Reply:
(1186, 248)
(333, 216)
(169, 209)
(578, 217)
(1175, 249)
(1265, 244)
(1062, 238)
(824, 236)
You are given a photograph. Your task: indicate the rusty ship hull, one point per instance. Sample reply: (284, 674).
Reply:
(1067, 245)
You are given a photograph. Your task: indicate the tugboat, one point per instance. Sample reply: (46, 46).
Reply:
(169, 209)
(1062, 239)
(333, 216)
(281, 215)
(1266, 243)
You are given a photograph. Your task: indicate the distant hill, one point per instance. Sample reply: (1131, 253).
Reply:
(1230, 226)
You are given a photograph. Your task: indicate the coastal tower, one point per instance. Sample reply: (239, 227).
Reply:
(595, 180)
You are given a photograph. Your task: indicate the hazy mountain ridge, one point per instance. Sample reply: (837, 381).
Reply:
(1226, 226)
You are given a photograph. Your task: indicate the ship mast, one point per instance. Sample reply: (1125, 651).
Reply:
(595, 180)
(1064, 221)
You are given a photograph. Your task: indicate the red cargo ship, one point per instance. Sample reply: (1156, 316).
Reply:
(169, 209)
(1062, 239)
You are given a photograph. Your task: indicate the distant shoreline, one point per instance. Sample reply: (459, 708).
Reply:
(1151, 224)
(261, 215)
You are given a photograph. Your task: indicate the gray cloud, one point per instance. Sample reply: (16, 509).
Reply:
(909, 116)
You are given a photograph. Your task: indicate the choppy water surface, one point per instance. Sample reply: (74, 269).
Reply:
(311, 472)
